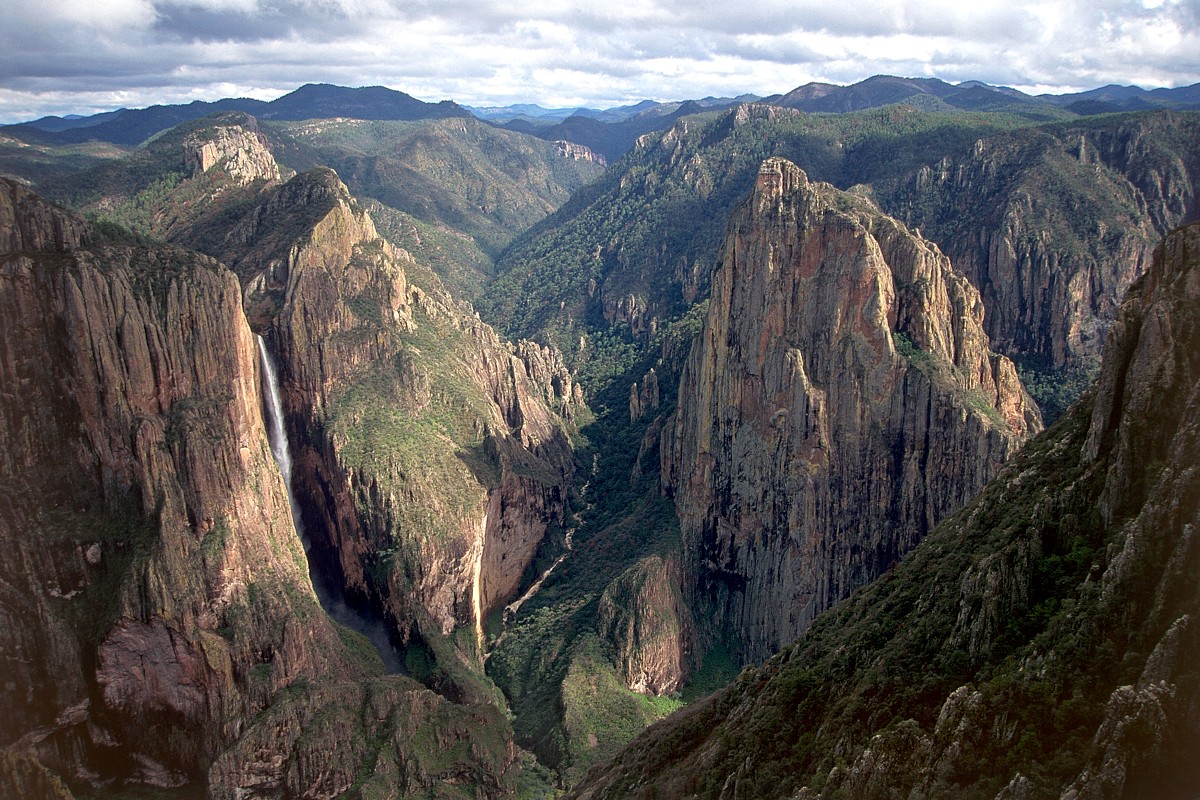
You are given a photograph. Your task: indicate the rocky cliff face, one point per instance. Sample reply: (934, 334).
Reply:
(237, 148)
(158, 624)
(432, 456)
(155, 593)
(643, 614)
(388, 737)
(840, 400)
(1054, 225)
(1041, 643)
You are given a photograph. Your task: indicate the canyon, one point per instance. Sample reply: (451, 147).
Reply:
(1038, 643)
(361, 457)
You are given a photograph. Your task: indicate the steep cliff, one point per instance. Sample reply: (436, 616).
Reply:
(155, 593)
(157, 613)
(183, 186)
(840, 400)
(1054, 224)
(431, 457)
(1041, 643)
(643, 614)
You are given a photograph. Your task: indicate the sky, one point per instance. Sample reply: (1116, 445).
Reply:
(87, 56)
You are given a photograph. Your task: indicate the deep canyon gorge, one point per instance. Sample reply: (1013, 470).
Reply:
(776, 452)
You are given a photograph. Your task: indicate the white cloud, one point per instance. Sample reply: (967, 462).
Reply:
(60, 56)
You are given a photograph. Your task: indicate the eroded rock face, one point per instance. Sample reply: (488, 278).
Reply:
(431, 455)
(643, 614)
(240, 150)
(1054, 226)
(386, 737)
(153, 580)
(1054, 620)
(29, 223)
(840, 400)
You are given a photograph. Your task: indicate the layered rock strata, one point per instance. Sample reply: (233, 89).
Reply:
(840, 400)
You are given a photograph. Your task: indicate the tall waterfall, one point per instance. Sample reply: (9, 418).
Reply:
(329, 593)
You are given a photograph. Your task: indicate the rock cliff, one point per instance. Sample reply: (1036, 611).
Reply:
(431, 456)
(643, 614)
(157, 616)
(840, 400)
(1053, 225)
(1040, 643)
(236, 148)
(155, 593)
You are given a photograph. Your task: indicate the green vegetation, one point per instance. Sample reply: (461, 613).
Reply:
(1054, 389)
(427, 448)
(600, 715)
(1002, 599)
(557, 675)
(452, 255)
(652, 226)
(24, 776)
(43, 164)
(453, 192)
(1076, 200)
(717, 670)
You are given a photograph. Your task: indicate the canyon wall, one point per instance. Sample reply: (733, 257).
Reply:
(1040, 643)
(1053, 225)
(158, 624)
(840, 399)
(430, 456)
(155, 591)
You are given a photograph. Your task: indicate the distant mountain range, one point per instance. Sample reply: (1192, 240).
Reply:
(977, 96)
(610, 132)
(311, 101)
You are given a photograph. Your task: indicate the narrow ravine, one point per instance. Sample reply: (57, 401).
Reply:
(512, 608)
(329, 593)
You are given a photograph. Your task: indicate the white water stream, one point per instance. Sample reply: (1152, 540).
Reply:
(329, 594)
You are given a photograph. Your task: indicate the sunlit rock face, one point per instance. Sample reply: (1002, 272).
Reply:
(841, 398)
(153, 581)
(431, 456)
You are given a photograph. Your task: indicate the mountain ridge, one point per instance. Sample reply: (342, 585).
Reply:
(1042, 642)
(132, 126)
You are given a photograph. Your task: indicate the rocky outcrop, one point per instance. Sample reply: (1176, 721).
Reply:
(840, 400)
(236, 147)
(432, 456)
(1083, 550)
(1054, 225)
(643, 615)
(578, 152)
(153, 582)
(29, 223)
(386, 737)
(643, 400)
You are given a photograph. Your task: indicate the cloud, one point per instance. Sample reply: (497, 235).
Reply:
(59, 56)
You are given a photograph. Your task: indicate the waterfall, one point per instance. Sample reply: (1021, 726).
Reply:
(329, 592)
(278, 435)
